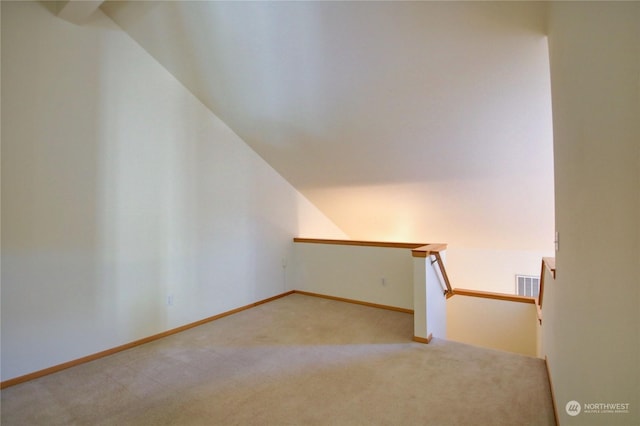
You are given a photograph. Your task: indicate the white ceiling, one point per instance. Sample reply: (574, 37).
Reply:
(424, 121)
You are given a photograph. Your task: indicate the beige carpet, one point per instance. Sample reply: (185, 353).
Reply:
(299, 360)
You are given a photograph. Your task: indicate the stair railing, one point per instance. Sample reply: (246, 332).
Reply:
(432, 251)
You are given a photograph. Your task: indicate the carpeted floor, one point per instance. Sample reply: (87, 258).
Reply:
(298, 360)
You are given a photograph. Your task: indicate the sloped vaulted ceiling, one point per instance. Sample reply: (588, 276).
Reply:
(407, 121)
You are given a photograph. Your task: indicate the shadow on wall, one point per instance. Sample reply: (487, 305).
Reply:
(128, 208)
(50, 178)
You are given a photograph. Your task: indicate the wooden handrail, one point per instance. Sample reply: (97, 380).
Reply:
(359, 243)
(490, 295)
(428, 249)
(434, 250)
(548, 263)
(443, 271)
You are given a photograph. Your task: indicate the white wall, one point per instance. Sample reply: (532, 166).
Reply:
(592, 328)
(379, 275)
(119, 189)
(402, 121)
(491, 323)
(491, 270)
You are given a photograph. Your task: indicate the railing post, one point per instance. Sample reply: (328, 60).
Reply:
(429, 301)
(420, 333)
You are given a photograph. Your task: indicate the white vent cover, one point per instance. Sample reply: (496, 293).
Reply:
(527, 285)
